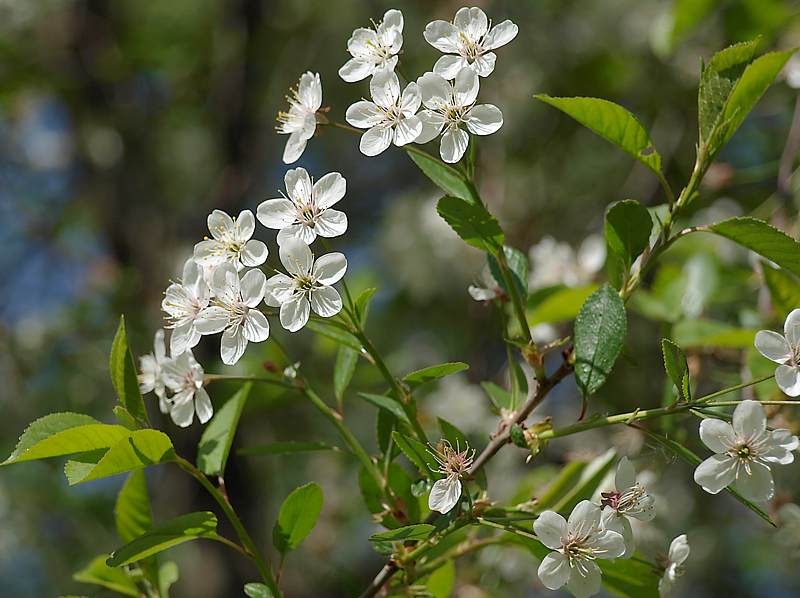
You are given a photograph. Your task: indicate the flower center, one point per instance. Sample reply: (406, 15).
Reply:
(453, 462)
(470, 49)
(305, 283)
(576, 550)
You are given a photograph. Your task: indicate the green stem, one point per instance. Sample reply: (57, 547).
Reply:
(730, 389)
(507, 528)
(260, 561)
(462, 549)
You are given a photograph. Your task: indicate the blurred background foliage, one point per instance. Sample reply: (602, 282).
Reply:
(124, 123)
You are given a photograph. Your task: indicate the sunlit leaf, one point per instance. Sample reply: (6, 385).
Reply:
(297, 517)
(677, 368)
(99, 574)
(434, 372)
(215, 443)
(447, 178)
(420, 531)
(472, 222)
(124, 375)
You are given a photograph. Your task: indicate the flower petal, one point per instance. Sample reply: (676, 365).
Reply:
(296, 257)
(225, 281)
(329, 190)
(356, 69)
(295, 146)
(484, 64)
(472, 21)
(584, 519)
(407, 130)
(610, 544)
(500, 35)
(182, 410)
(233, 345)
(454, 144)
(715, 473)
(385, 88)
(364, 114)
(484, 119)
(550, 528)
(791, 328)
(294, 312)
(298, 232)
(184, 337)
(717, 435)
(442, 35)
(780, 446)
(749, 418)
(449, 65)
(276, 213)
(758, 486)
(626, 475)
(788, 379)
(554, 570)
(436, 92)
(465, 87)
(326, 302)
(298, 185)
(309, 90)
(256, 327)
(329, 268)
(253, 286)
(444, 495)
(585, 581)
(432, 124)
(245, 225)
(254, 253)
(202, 405)
(220, 224)
(679, 550)
(773, 346)
(392, 19)
(376, 140)
(411, 99)
(331, 223)
(278, 290)
(212, 320)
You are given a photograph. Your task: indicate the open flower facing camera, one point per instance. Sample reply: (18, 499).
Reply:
(543, 321)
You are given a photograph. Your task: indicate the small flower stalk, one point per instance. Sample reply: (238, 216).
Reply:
(454, 464)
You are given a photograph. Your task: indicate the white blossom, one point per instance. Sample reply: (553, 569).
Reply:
(448, 105)
(374, 49)
(628, 500)
(673, 567)
(307, 285)
(231, 242)
(487, 289)
(182, 302)
(577, 544)
(151, 366)
(468, 42)
(184, 376)
(454, 464)
(556, 263)
(784, 350)
(306, 212)
(300, 122)
(233, 311)
(390, 117)
(744, 452)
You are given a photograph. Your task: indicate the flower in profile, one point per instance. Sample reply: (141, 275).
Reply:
(300, 122)
(785, 350)
(233, 311)
(577, 543)
(390, 117)
(184, 376)
(182, 302)
(447, 106)
(673, 564)
(468, 42)
(628, 500)
(306, 286)
(306, 212)
(487, 289)
(374, 49)
(744, 452)
(151, 367)
(231, 242)
(454, 464)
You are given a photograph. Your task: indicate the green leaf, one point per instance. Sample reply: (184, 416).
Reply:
(447, 178)
(441, 582)
(36, 444)
(170, 533)
(343, 369)
(784, 289)
(124, 418)
(691, 458)
(124, 375)
(420, 531)
(99, 574)
(765, 240)
(215, 443)
(434, 372)
(629, 578)
(362, 304)
(385, 424)
(285, 448)
(755, 80)
(517, 263)
(297, 517)
(387, 404)
(132, 510)
(372, 494)
(627, 230)
(336, 334)
(691, 334)
(677, 368)
(472, 222)
(139, 449)
(599, 335)
(612, 122)
(257, 590)
(560, 306)
(499, 396)
(418, 454)
(716, 82)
